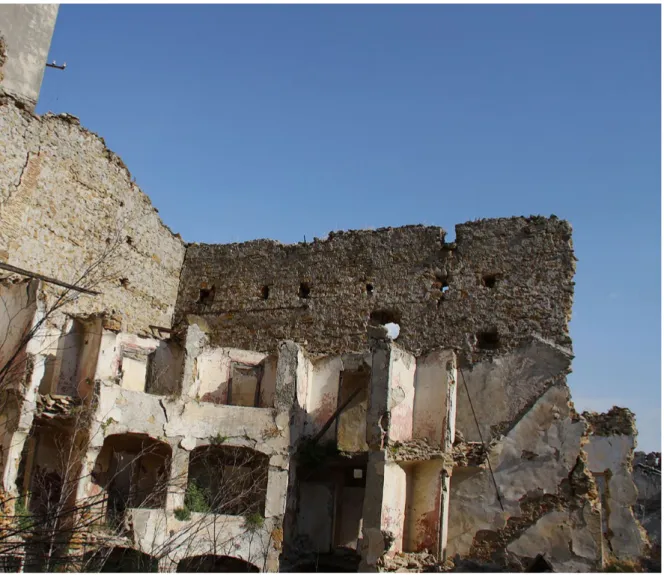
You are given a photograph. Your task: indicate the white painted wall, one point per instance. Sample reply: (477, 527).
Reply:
(402, 394)
(430, 404)
(323, 395)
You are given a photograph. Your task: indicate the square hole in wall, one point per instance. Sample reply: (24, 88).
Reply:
(490, 280)
(206, 295)
(305, 290)
(488, 340)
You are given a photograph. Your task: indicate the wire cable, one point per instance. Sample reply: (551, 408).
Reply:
(479, 431)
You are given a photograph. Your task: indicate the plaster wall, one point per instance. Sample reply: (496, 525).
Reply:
(26, 31)
(612, 456)
(223, 535)
(352, 422)
(324, 395)
(532, 465)
(17, 310)
(402, 394)
(395, 491)
(214, 372)
(423, 509)
(504, 389)
(430, 409)
(647, 476)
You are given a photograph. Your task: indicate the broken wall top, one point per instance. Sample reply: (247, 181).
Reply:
(67, 202)
(616, 421)
(511, 277)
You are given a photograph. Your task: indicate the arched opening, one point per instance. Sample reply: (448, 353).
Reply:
(227, 481)
(133, 469)
(215, 564)
(119, 560)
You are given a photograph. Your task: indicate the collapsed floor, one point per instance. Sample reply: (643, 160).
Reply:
(241, 407)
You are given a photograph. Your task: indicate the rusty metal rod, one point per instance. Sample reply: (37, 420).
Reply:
(23, 272)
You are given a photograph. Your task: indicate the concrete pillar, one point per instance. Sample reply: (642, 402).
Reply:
(195, 341)
(177, 484)
(446, 477)
(290, 400)
(448, 443)
(392, 395)
(383, 513)
(89, 495)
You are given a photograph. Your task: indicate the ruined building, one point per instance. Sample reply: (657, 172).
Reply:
(183, 407)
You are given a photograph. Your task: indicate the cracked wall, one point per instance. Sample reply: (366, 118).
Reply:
(548, 503)
(284, 328)
(184, 424)
(610, 454)
(66, 202)
(647, 475)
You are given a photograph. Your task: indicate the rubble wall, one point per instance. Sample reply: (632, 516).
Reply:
(66, 202)
(511, 275)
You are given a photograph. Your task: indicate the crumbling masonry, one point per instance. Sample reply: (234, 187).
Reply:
(243, 407)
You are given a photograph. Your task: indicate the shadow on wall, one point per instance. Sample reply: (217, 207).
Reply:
(133, 469)
(215, 564)
(119, 560)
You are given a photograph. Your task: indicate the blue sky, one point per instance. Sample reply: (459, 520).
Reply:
(243, 122)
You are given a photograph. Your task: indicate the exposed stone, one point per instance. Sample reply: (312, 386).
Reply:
(533, 257)
(66, 203)
(616, 421)
(276, 360)
(471, 454)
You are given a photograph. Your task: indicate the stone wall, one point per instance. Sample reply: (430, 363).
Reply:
(67, 202)
(502, 280)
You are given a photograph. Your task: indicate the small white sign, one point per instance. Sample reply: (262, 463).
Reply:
(357, 473)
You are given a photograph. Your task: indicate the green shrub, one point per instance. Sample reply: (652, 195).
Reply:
(218, 439)
(182, 514)
(196, 499)
(23, 516)
(253, 522)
